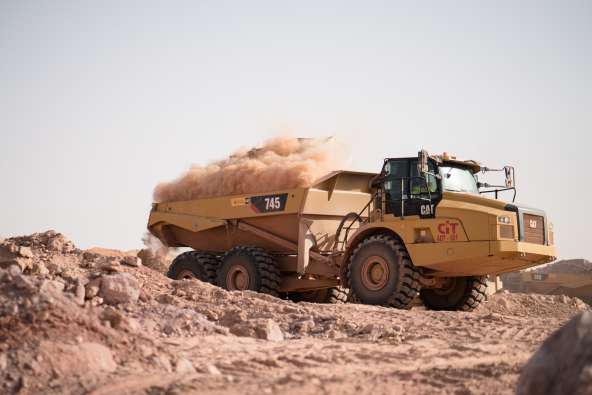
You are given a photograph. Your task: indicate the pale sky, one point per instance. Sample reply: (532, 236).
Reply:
(101, 100)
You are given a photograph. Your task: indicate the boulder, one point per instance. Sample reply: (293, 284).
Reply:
(184, 366)
(269, 330)
(119, 288)
(563, 364)
(131, 260)
(260, 328)
(85, 359)
(92, 288)
(10, 255)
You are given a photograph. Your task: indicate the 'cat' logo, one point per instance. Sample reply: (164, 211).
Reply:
(426, 209)
(447, 231)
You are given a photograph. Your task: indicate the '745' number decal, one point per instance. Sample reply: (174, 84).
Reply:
(269, 203)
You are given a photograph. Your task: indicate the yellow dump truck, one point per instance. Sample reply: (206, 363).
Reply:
(424, 226)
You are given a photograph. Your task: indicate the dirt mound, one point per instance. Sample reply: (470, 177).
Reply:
(526, 305)
(75, 321)
(574, 266)
(112, 252)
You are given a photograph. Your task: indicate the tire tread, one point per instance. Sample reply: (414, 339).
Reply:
(407, 286)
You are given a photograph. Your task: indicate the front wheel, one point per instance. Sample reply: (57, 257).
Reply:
(380, 272)
(457, 293)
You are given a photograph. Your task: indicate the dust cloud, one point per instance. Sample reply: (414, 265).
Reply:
(279, 163)
(156, 255)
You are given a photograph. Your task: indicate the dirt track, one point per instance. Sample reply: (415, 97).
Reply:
(58, 336)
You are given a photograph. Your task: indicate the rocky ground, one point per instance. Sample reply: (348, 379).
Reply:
(100, 322)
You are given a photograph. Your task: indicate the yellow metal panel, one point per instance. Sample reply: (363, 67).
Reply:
(338, 203)
(442, 229)
(508, 246)
(233, 207)
(189, 222)
(447, 256)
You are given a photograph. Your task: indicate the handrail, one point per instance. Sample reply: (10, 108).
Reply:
(357, 217)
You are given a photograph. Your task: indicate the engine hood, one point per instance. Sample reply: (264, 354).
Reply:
(475, 199)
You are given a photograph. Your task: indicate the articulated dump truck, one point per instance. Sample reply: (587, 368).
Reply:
(424, 226)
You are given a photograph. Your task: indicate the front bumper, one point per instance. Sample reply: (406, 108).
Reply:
(520, 255)
(475, 258)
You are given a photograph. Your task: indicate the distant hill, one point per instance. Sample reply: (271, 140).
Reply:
(583, 266)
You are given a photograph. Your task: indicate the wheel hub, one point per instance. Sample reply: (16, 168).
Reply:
(237, 278)
(375, 273)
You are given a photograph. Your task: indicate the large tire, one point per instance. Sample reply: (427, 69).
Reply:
(380, 272)
(334, 295)
(249, 268)
(194, 264)
(460, 293)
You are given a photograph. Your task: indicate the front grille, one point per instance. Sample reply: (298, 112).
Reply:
(534, 229)
(507, 231)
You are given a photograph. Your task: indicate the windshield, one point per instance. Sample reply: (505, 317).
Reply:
(458, 179)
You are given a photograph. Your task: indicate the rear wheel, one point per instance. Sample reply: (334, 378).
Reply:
(194, 264)
(380, 272)
(458, 293)
(334, 295)
(249, 268)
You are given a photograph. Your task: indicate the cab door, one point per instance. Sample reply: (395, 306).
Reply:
(407, 192)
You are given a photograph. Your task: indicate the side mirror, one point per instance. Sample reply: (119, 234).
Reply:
(422, 162)
(509, 170)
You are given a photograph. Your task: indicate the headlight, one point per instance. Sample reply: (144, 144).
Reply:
(504, 219)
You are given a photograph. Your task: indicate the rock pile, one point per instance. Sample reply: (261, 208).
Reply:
(524, 305)
(75, 321)
(563, 364)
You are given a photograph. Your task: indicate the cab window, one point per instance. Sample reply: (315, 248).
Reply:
(419, 186)
(397, 172)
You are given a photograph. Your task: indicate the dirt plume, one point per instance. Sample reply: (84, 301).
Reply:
(156, 255)
(279, 163)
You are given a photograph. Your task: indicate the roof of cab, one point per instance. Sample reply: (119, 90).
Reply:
(445, 158)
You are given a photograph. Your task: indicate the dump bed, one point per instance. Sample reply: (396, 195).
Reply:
(219, 223)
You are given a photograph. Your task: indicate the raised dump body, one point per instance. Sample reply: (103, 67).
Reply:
(212, 224)
(419, 227)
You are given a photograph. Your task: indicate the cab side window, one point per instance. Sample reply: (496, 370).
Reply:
(419, 186)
